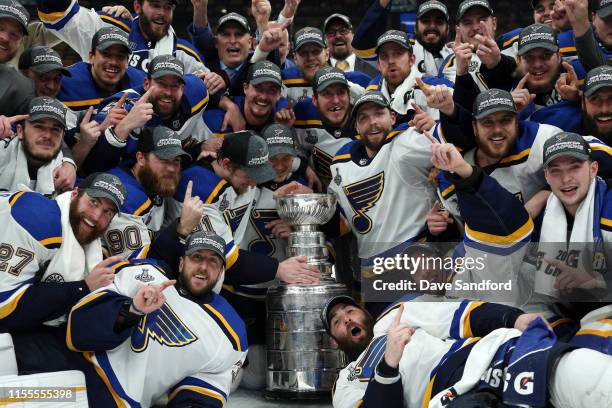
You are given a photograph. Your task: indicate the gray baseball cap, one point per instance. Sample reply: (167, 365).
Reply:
(163, 65)
(597, 78)
(105, 185)
(264, 71)
(280, 139)
(537, 36)
(337, 16)
(45, 107)
(234, 18)
(308, 35)
(250, 152)
(327, 76)
(491, 101)
(566, 144)
(468, 4)
(14, 10)
(394, 36)
(42, 60)
(336, 300)
(205, 240)
(162, 142)
(432, 5)
(372, 96)
(109, 36)
(604, 9)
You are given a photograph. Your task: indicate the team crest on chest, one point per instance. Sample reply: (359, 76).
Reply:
(144, 276)
(164, 327)
(362, 196)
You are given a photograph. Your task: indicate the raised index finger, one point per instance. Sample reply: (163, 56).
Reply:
(145, 97)
(17, 118)
(188, 191)
(522, 82)
(166, 284)
(121, 100)
(110, 260)
(569, 68)
(87, 117)
(398, 316)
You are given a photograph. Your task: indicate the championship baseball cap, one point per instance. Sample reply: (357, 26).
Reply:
(45, 107)
(491, 101)
(394, 36)
(14, 10)
(468, 4)
(566, 144)
(109, 36)
(432, 5)
(537, 36)
(250, 152)
(280, 139)
(162, 142)
(327, 76)
(337, 16)
(336, 300)
(163, 65)
(604, 9)
(205, 240)
(234, 18)
(264, 71)
(105, 185)
(597, 78)
(372, 96)
(308, 35)
(42, 60)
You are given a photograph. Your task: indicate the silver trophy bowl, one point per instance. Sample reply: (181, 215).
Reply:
(302, 210)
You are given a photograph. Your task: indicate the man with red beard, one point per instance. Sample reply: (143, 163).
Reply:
(53, 259)
(16, 91)
(150, 180)
(150, 33)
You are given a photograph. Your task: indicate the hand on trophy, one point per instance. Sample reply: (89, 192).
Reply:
(296, 271)
(292, 188)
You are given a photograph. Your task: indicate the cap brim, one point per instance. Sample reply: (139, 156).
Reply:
(261, 80)
(318, 42)
(330, 305)
(164, 72)
(333, 18)
(274, 150)
(546, 45)
(494, 110)
(357, 107)
(236, 22)
(107, 44)
(432, 10)
(595, 88)
(260, 174)
(577, 155)
(171, 153)
(94, 192)
(401, 44)
(193, 250)
(605, 12)
(329, 83)
(42, 115)
(44, 68)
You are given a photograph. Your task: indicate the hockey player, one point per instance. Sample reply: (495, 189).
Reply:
(168, 98)
(464, 354)
(145, 322)
(432, 28)
(397, 81)
(311, 54)
(44, 67)
(31, 159)
(324, 123)
(150, 33)
(103, 73)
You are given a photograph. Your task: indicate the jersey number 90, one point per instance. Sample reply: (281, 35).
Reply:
(119, 241)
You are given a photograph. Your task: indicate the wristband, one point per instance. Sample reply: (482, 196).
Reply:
(137, 310)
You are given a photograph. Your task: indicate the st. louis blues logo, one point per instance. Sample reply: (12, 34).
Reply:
(233, 216)
(322, 162)
(164, 327)
(265, 243)
(362, 196)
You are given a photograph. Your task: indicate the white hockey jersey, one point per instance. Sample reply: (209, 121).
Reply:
(384, 199)
(185, 346)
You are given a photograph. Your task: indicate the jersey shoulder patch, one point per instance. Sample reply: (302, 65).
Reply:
(196, 93)
(25, 204)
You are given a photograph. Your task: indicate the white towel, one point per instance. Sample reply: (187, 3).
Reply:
(403, 95)
(554, 240)
(476, 365)
(14, 170)
(165, 46)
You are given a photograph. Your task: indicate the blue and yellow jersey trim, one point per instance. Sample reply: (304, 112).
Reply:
(116, 22)
(55, 19)
(517, 236)
(366, 53)
(86, 103)
(228, 321)
(227, 329)
(461, 327)
(189, 49)
(9, 300)
(195, 385)
(86, 300)
(105, 372)
(24, 204)
(305, 124)
(366, 365)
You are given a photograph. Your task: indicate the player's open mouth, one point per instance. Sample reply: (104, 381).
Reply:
(548, 21)
(233, 50)
(335, 109)
(569, 190)
(200, 277)
(497, 140)
(111, 71)
(263, 104)
(339, 44)
(355, 331)
(537, 74)
(159, 23)
(604, 120)
(312, 66)
(3, 48)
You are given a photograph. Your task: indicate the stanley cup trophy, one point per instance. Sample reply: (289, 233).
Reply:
(302, 363)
